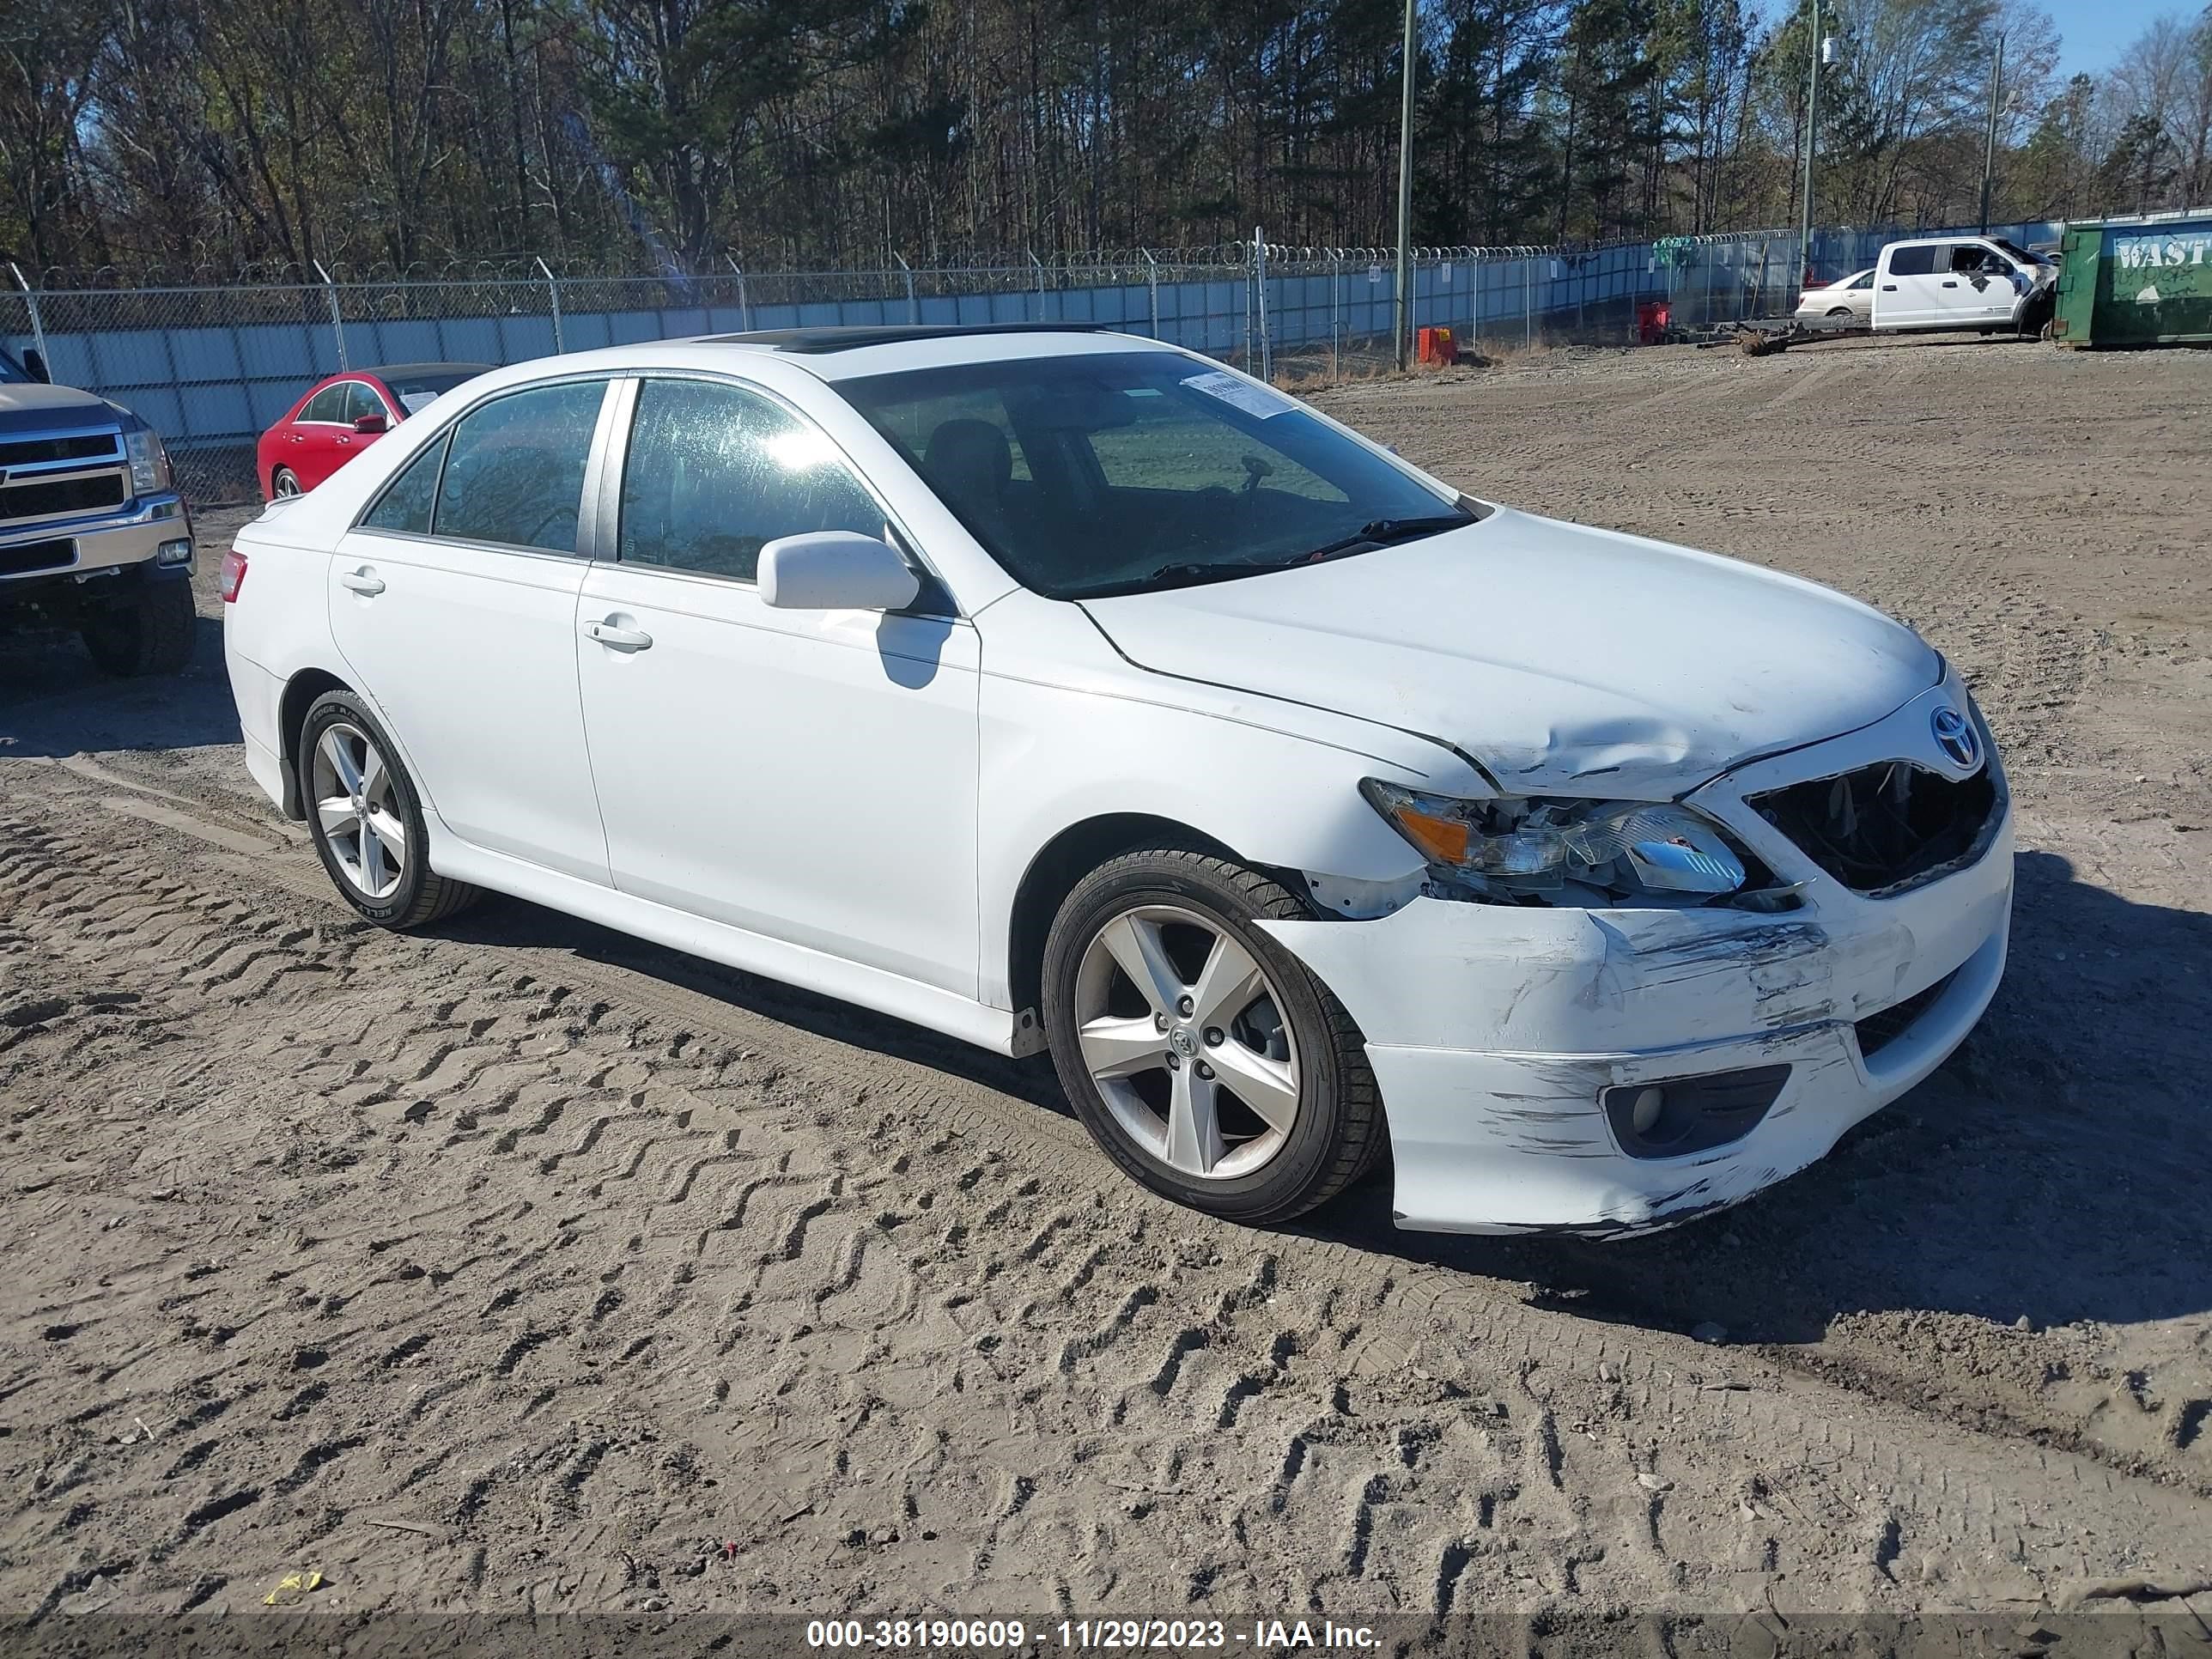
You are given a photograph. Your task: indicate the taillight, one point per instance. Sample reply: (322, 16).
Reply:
(233, 576)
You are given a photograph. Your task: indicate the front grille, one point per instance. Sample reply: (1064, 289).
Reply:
(46, 450)
(1878, 1030)
(48, 498)
(28, 556)
(1884, 828)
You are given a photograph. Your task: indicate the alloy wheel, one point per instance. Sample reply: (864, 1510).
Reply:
(1184, 1035)
(357, 812)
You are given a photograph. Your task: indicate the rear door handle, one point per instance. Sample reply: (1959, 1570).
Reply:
(621, 639)
(363, 582)
(1889, 287)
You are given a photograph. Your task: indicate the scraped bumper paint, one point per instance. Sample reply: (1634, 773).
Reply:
(1495, 1031)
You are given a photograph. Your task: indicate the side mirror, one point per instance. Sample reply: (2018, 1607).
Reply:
(836, 570)
(371, 423)
(35, 365)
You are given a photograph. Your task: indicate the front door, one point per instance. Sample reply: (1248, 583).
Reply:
(310, 448)
(806, 774)
(454, 602)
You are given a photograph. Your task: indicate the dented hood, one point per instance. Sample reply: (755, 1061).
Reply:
(1565, 659)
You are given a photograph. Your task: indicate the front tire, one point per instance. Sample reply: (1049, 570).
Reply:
(367, 819)
(149, 632)
(1203, 1058)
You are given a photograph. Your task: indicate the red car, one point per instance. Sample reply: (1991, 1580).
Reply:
(340, 415)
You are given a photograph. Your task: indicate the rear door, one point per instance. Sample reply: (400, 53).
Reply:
(1906, 290)
(454, 601)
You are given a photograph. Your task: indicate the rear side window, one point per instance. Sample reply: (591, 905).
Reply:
(328, 404)
(407, 499)
(1864, 279)
(514, 468)
(1913, 261)
(716, 472)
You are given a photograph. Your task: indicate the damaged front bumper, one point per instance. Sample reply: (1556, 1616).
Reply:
(1497, 1033)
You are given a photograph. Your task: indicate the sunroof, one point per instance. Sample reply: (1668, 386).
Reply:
(853, 338)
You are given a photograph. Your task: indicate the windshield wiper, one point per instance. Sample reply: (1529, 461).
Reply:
(1374, 533)
(1378, 532)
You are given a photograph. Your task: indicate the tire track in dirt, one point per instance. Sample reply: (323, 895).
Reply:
(515, 1242)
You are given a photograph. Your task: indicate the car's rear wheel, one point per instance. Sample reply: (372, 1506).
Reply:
(284, 482)
(1202, 1056)
(150, 631)
(367, 819)
(1840, 311)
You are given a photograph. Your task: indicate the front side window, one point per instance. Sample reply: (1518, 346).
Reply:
(514, 473)
(715, 473)
(1142, 469)
(328, 404)
(362, 401)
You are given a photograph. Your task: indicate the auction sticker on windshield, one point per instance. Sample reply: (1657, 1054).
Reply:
(1241, 394)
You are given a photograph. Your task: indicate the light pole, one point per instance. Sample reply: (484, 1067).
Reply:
(1812, 139)
(1405, 192)
(1990, 137)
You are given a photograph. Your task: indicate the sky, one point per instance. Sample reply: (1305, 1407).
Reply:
(2094, 33)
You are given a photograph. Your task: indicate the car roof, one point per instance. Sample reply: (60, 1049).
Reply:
(813, 342)
(841, 354)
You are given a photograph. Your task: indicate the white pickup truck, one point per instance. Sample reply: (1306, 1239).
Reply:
(1956, 282)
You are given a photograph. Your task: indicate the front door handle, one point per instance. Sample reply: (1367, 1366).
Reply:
(621, 639)
(363, 582)
(1950, 285)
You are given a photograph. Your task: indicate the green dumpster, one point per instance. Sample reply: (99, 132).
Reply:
(2135, 282)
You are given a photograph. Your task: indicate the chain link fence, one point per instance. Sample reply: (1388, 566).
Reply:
(213, 364)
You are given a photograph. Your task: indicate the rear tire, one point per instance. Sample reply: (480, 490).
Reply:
(283, 485)
(1286, 1108)
(366, 818)
(149, 632)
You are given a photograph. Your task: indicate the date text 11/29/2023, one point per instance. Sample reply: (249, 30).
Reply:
(986, 1635)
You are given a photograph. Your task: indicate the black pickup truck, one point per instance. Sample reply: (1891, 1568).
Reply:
(94, 535)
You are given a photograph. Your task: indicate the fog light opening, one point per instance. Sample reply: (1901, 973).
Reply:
(169, 555)
(1674, 1116)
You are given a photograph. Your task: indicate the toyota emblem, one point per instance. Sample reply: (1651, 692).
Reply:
(1954, 736)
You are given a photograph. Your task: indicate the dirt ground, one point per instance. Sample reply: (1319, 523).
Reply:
(518, 1265)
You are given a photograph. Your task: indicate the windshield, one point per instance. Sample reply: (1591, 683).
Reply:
(416, 388)
(2019, 253)
(1114, 473)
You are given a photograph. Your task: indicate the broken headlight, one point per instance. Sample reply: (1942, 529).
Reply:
(1540, 850)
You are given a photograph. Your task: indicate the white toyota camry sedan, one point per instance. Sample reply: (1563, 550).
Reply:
(1063, 690)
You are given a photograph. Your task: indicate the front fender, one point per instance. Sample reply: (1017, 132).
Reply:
(1069, 733)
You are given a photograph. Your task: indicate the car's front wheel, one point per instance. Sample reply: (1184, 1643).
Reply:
(1202, 1056)
(367, 819)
